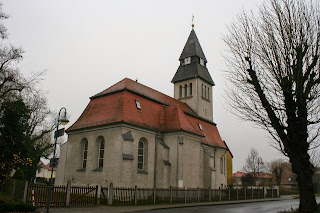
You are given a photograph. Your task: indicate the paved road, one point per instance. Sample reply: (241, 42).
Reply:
(260, 207)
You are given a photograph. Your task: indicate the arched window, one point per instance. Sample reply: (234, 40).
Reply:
(85, 154)
(190, 88)
(185, 90)
(205, 91)
(221, 165)
(101, 153)
(180, 91)
(141, 155)
(202, 91)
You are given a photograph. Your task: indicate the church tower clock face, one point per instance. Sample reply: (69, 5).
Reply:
(187, 60)
(201, 61)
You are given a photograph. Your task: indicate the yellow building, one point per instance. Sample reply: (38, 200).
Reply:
(229, 165)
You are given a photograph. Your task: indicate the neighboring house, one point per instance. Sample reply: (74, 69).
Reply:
(288, 178)
(130, 134)
(262, 178)
(45, 171)
(229, 166)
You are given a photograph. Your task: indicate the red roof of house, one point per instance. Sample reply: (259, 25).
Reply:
(46, 166)
(159, 112)
(258, 175)
(238, 174)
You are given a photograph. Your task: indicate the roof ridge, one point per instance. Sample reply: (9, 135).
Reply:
(195, 128)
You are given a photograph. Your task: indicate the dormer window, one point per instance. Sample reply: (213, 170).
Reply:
(187, 60)
(138, 104)
(201, 61)
(200, 126)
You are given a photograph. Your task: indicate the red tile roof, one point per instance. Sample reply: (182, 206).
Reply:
(158, 112)
(238, 174)
(258, 175)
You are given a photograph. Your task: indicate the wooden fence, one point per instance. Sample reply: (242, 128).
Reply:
(77, 196)
(88, 195)
(143, 196)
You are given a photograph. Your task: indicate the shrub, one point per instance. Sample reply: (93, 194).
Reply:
(7, 204)
(18, 175)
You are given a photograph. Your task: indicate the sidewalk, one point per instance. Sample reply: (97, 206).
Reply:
(116, 209)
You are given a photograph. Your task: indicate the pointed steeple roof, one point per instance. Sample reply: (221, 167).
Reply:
(192, 47)
(193, 69)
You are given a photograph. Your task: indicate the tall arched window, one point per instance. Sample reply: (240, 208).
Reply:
(180, 91)
(101, 153)
(190, 88)
(85, 154)
(205, 91)
(221, 165)
(141, 155)
(185, 90)
(202, 91)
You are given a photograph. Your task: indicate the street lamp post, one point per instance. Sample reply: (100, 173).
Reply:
(63, 120)
(260, 162)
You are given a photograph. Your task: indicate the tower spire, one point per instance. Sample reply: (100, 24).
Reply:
(192, 21)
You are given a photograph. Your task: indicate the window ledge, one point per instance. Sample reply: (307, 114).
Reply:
(205, 99)
(98, 169)
(190, 96)
(81, 170)
(142, 172)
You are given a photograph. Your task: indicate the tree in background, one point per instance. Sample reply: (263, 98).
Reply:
(24, 114)
(254, 165)
(277, 168)
(274, 74)
(248, 180)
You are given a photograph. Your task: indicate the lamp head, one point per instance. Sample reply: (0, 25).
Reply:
(64, 120)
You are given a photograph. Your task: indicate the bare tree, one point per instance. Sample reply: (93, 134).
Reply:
(254, 164)
(277, 168)
(14, 86)
(274, 80)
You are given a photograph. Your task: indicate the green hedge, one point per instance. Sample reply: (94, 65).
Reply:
(16, 207)
(7, 204)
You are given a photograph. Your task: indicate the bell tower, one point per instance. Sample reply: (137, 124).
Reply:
(192, 81)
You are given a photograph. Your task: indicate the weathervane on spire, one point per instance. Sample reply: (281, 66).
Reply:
(192, 21)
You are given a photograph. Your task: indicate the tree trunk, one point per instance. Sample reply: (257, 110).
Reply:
(302, 167)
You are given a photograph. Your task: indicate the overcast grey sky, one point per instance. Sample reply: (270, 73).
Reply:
(87, 46)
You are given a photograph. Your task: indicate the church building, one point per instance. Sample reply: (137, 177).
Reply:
(131, 134)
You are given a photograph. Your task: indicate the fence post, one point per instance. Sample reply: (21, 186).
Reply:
(264, 192)
(97, 187)
(229, 192)
(135, 195)
(219, 193)
(198, 194)
(154, 195)
(25, 193)
(99, 193)
(237, 194)
(185, 195)
(271, 192)
(68, 193)
(258, 191)
(170, 194)
(245, 193)
(110, 194)
(209, 193)
(251, 193)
